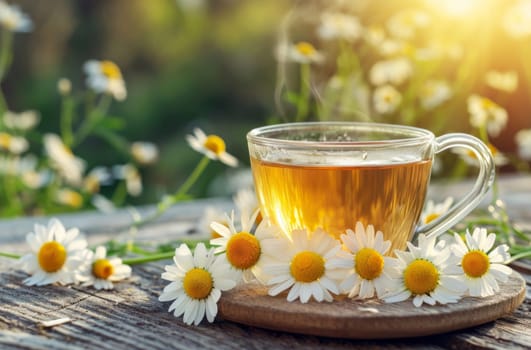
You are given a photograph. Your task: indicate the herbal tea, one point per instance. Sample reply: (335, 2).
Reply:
(388, 196)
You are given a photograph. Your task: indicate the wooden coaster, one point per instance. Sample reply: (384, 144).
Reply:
(370, 319)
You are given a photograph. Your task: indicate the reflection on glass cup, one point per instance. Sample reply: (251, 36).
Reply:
(333, 174)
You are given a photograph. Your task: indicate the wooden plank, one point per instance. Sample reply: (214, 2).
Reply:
(131, 317)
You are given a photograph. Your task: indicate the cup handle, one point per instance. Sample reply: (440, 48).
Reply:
(482, 185)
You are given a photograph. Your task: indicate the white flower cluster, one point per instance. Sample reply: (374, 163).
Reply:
(315, 265)
(61, 256)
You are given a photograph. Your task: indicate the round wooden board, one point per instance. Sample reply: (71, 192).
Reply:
(370, 319)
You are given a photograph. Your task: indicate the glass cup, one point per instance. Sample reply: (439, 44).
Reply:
(333, 174)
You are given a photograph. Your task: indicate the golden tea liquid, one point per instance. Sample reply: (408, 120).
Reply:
(389, 196)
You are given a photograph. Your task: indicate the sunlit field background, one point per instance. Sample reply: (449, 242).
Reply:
(227, 66)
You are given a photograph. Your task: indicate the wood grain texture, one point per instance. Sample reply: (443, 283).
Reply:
(345, 318)
(131, 317)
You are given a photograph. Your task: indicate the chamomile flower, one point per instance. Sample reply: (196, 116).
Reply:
(339, 26)
(434, 211)
(481, 264)
(470, 157)
(370, 270)
(404, 24)
(486, 113)
(523, 141)
(303, 52)
(14, 20)
(243, 250)
(144, 152)
(24, 121)
(386, 99)
(95, 178)
(69, 198)
(131, 175)
(305, 266)
(13, 144)
(504, 81)
(197, 281)
(246, 203)
(56, 254)
(434, 93)
(517, 19)
(426, 273)
(212, 146)
(102, 271)
(394, 71)
(105, 77)
(69, 166)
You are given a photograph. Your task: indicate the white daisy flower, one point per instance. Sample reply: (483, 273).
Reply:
(517, 19)
(131, 175)
(56, 254)
(105, 77)
(305, 266)
(433, 211)
(339, 26)
(370, 270)
(504, 81)
(386, 99)
(247, 203)
(69, 198)
(523, 141)
(13, 144)
(14, 20)
(244, 251)
(196, 283)
(212, 146)
(404, 24)
(24, 121)
(470, 157)
(144, 152)
(95, 178)
(69, 166)
(480, 264)
(434, 93)
(486, 113)
(102, 271)
(426, 274)
(394, 71)
(303, 52)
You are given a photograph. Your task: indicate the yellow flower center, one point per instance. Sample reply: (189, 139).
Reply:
(102, 268)
(307, 266)
(243, 250)
(369, 263)
(198, 283)
(305, 49)
(110, 70)
(5, 140)
(430, 217)
(70, 198)
(52, 256)
(92, 184)
(493, 150)
(421, 277)
(487, 103)
(215, 144)
(475, 263)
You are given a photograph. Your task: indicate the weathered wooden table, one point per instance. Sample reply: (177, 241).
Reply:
(130, 317)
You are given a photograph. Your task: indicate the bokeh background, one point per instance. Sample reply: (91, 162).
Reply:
(211, 64)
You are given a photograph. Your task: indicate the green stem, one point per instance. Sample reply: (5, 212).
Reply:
(518, 256)
(9, 255)
(5, 53)
(3, 106)
(67, 109)
(304, 97)
(149, 258)
(93, 118)
(179, 194)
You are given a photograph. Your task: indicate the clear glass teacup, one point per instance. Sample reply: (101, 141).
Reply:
(333, 174)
